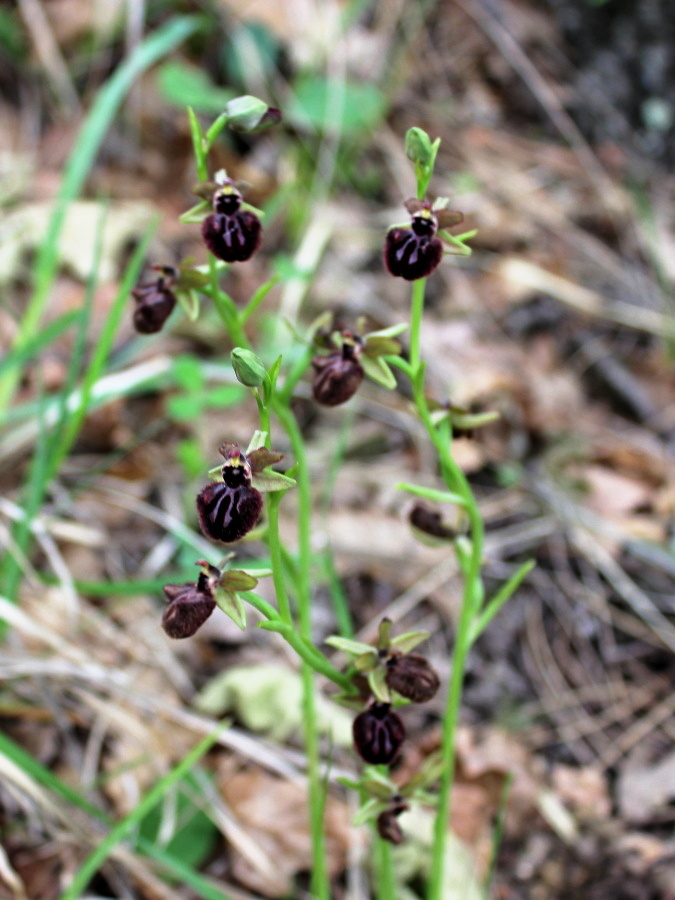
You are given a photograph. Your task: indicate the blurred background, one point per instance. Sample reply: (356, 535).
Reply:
(557, 122)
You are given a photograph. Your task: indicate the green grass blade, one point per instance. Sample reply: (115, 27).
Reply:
(97, 857)
(52, 782)
(87, 145)
(19, 356)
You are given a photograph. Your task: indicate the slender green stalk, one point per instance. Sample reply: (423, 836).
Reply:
(98, 856)
(386, 876)
(472, 595)
(320, 883)
(274, 546)
(416, 312)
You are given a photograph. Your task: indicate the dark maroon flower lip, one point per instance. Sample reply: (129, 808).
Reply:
(228, 510)
(337, 376)
(189, 607)
(415, 251)
(411, 676)
(410, 255)
(379, 733)
(231, 233)
(155, 301)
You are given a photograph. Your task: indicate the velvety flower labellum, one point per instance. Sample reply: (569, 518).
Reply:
(411, 676)
(378, 734)
(154, 303)
(430, 522)
(229, 509)
(189, 607)
(387, 824)
(337, 376)
(231, 233)
(413, 252)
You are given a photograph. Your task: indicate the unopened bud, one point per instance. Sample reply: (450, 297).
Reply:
(248, 367)
(249, 114)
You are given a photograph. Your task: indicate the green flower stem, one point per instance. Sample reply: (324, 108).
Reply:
(386, 876)
(274, 546)
(295, 373)
(456, 481)
(309, 653)
(416, 311)
(320, 884)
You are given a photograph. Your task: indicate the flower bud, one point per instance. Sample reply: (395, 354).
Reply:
(411, 676)
(418, 147)
(338, 375)
(378, 734)
(249, 114)
(189, 607)
(248, 367)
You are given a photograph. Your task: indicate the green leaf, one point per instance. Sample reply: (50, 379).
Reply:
(314, 105)
(184, 85)
(183, 407)
(378, 371)
(194, 835)
(187, 373)
(232, 605)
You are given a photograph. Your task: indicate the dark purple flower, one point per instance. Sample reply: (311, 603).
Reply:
(338, 375)
(154, 302)
(189, 607)
(387, 822)
(229, 509)
(378, 734)
(411, 676)
(430, 522)
(414, 251)
(231, 233)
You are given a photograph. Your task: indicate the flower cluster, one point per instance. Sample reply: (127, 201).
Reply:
(393, 675)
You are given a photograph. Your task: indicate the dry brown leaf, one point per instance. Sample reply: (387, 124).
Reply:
(582, 790)
(274, 814)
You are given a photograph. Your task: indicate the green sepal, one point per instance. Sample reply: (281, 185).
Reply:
(466, 421)
(258, 441)
(216, 473)
(272, 481)
(378, 371)
(408, 641)
(232, 605)
(196, 213)
(381, 346)
(191, 278)
(370, 810)
(189, 302)
(366, 662)
(270, 382)
(237, 580)
(439, 415)
(323, 321)
(378, 785)
(356, 648)
(429, 772)
(391, 332)
(378, 685)
(350, 701)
